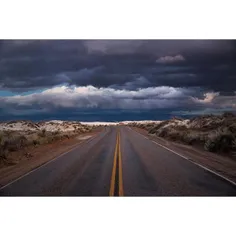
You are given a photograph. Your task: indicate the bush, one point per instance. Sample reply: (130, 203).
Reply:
(56, 132)
(13, 143)
(221, 140)
(191, 138)
(42, 133)
(49, 139)
(232, 128)
(153, 129)
(66, 136)
(162, 133)
(156, 127)
(35, 142)
(3, 154)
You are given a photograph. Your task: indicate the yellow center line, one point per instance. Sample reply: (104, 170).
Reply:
(121, 190)
(112, 186)
(116, 177)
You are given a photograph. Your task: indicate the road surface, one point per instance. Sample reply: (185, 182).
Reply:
(119, 162)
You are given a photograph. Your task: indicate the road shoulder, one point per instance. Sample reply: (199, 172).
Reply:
(222, 165)
(39, 156)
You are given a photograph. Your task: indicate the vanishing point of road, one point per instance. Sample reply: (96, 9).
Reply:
(119, 162)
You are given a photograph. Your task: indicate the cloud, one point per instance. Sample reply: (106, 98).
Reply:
(132, 84)
(208, 98)
(170, 59)
(156, 47)
(62, 97)
(215, 100)
(113, 46)
(92, 97)
(71, 99)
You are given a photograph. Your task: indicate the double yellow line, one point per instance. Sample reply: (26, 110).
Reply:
(116, 187)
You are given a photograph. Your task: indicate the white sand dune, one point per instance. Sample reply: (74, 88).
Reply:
(58, 125)
(63, 126)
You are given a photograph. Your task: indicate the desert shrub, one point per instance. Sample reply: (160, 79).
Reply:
(66, 136)
(56, 132)
(42, 133)
(35, 142)
(173, 135)
(41, 141)
(82, 130)
(232, 128)
(192, 138)
(152, 130)
(8, 133)
(90, 129)
(13, 143)
(221, 140)
(149, 125)
(11, 122)
(162, 133)
(141, 126)
(156, 127)
(3, 154)
(49, 139)
(234, 148)
(56, 137)
(182, 128)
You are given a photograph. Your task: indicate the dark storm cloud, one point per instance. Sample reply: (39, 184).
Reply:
(129, 64)
(157, 48)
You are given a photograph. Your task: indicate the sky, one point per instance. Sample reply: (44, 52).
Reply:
(115, 80)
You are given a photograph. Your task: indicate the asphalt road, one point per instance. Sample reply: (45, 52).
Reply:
(119, 162)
